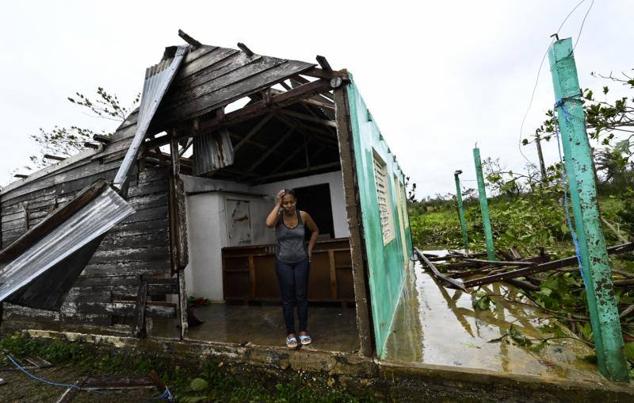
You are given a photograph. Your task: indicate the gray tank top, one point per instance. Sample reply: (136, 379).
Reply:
(291, 246)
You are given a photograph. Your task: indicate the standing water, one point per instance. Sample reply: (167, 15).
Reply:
(440, 326)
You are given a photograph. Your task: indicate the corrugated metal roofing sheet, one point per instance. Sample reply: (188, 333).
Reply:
(212, 152)
(81, 228)
(157, 80)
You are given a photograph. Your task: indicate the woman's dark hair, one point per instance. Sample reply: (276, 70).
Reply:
(290, 192)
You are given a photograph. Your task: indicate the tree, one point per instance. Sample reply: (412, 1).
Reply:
(67, 141)
(610, 123)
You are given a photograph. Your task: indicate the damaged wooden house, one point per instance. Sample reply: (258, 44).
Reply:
(170, 211)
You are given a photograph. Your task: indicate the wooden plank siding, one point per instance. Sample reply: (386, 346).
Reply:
(138, 245)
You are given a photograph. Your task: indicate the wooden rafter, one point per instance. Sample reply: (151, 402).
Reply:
(297, 81)
(324, 135)
(270, 150)
(288, 158)
(252, 132)
(308, 118)
(320, 73)
(253, 110)
(238, 138)
(299, 171)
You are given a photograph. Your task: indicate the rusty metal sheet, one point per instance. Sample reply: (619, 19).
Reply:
(157, 80)
(212, 152)
(77, 234)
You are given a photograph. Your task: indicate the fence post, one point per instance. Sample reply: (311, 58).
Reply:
(463, 222)
(604, 315)
(484, 206)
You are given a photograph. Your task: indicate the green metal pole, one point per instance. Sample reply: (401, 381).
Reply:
(463, 222)
(604, 315)
(484, 205)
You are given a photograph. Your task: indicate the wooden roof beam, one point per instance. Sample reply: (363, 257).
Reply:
(245, 49)
(299, 171)
(193, 42)
(102, 138)
(308, 118)
(54, 157)
(319, 103)
(324, 64)
(270, 150)
(298, 80)
(253, 110)
(322, 73)
(324, 135)
(252, 132)
(288, 158)
(251, 142)
(277, 101)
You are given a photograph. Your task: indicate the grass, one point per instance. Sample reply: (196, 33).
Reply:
(189, 380)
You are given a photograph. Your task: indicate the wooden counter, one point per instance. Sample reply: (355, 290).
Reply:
(248, 273)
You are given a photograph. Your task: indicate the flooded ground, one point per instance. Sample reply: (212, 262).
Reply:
(332, 327)
(437, 325)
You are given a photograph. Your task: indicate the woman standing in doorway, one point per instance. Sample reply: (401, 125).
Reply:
(293, 262)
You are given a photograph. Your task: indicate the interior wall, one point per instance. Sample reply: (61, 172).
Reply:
(209, 215)
(335, 183)
(206, 235)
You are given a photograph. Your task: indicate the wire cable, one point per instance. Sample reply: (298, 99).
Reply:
(541, 65)
(37, 378)
(569, 14)
(582, 24)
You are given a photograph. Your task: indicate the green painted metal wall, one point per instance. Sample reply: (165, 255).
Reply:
(387, 261)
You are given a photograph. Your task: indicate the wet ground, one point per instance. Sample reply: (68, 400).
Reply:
(436, 325)
(332, 328)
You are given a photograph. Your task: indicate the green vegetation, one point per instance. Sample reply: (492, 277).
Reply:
(207, 380)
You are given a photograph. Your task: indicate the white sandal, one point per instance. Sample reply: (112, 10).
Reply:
(291, 342)
(305, 339)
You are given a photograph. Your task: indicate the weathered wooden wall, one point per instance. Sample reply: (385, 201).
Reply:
(138, 245)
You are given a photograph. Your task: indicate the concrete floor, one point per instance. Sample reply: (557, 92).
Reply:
(332, 328)
(436, 325)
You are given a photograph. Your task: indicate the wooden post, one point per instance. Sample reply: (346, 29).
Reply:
(463, 221)
(604, 315)
(177, 214)
(359, 268)
(484, 206)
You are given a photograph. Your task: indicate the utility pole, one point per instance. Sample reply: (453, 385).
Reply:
(604, 315)
(463, 222)
(540, 155)
(484, 206)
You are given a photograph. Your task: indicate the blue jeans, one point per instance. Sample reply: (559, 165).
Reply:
(293, 281)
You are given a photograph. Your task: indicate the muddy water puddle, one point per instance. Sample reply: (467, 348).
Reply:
(437, 325)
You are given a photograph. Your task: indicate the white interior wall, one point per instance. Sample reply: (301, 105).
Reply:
(206, 233)
(207, 222)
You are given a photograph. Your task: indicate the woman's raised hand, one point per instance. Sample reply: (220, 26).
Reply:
(279, 196)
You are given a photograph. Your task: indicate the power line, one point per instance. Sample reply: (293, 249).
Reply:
(541, 65)
(582, 24)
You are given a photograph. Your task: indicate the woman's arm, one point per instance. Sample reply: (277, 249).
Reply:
(274, 215)
(310, 223)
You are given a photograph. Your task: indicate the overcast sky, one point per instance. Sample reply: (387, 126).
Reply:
(438, 76)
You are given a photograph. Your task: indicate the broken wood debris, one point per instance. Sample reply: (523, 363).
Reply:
(496, 271)
(453, 282)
